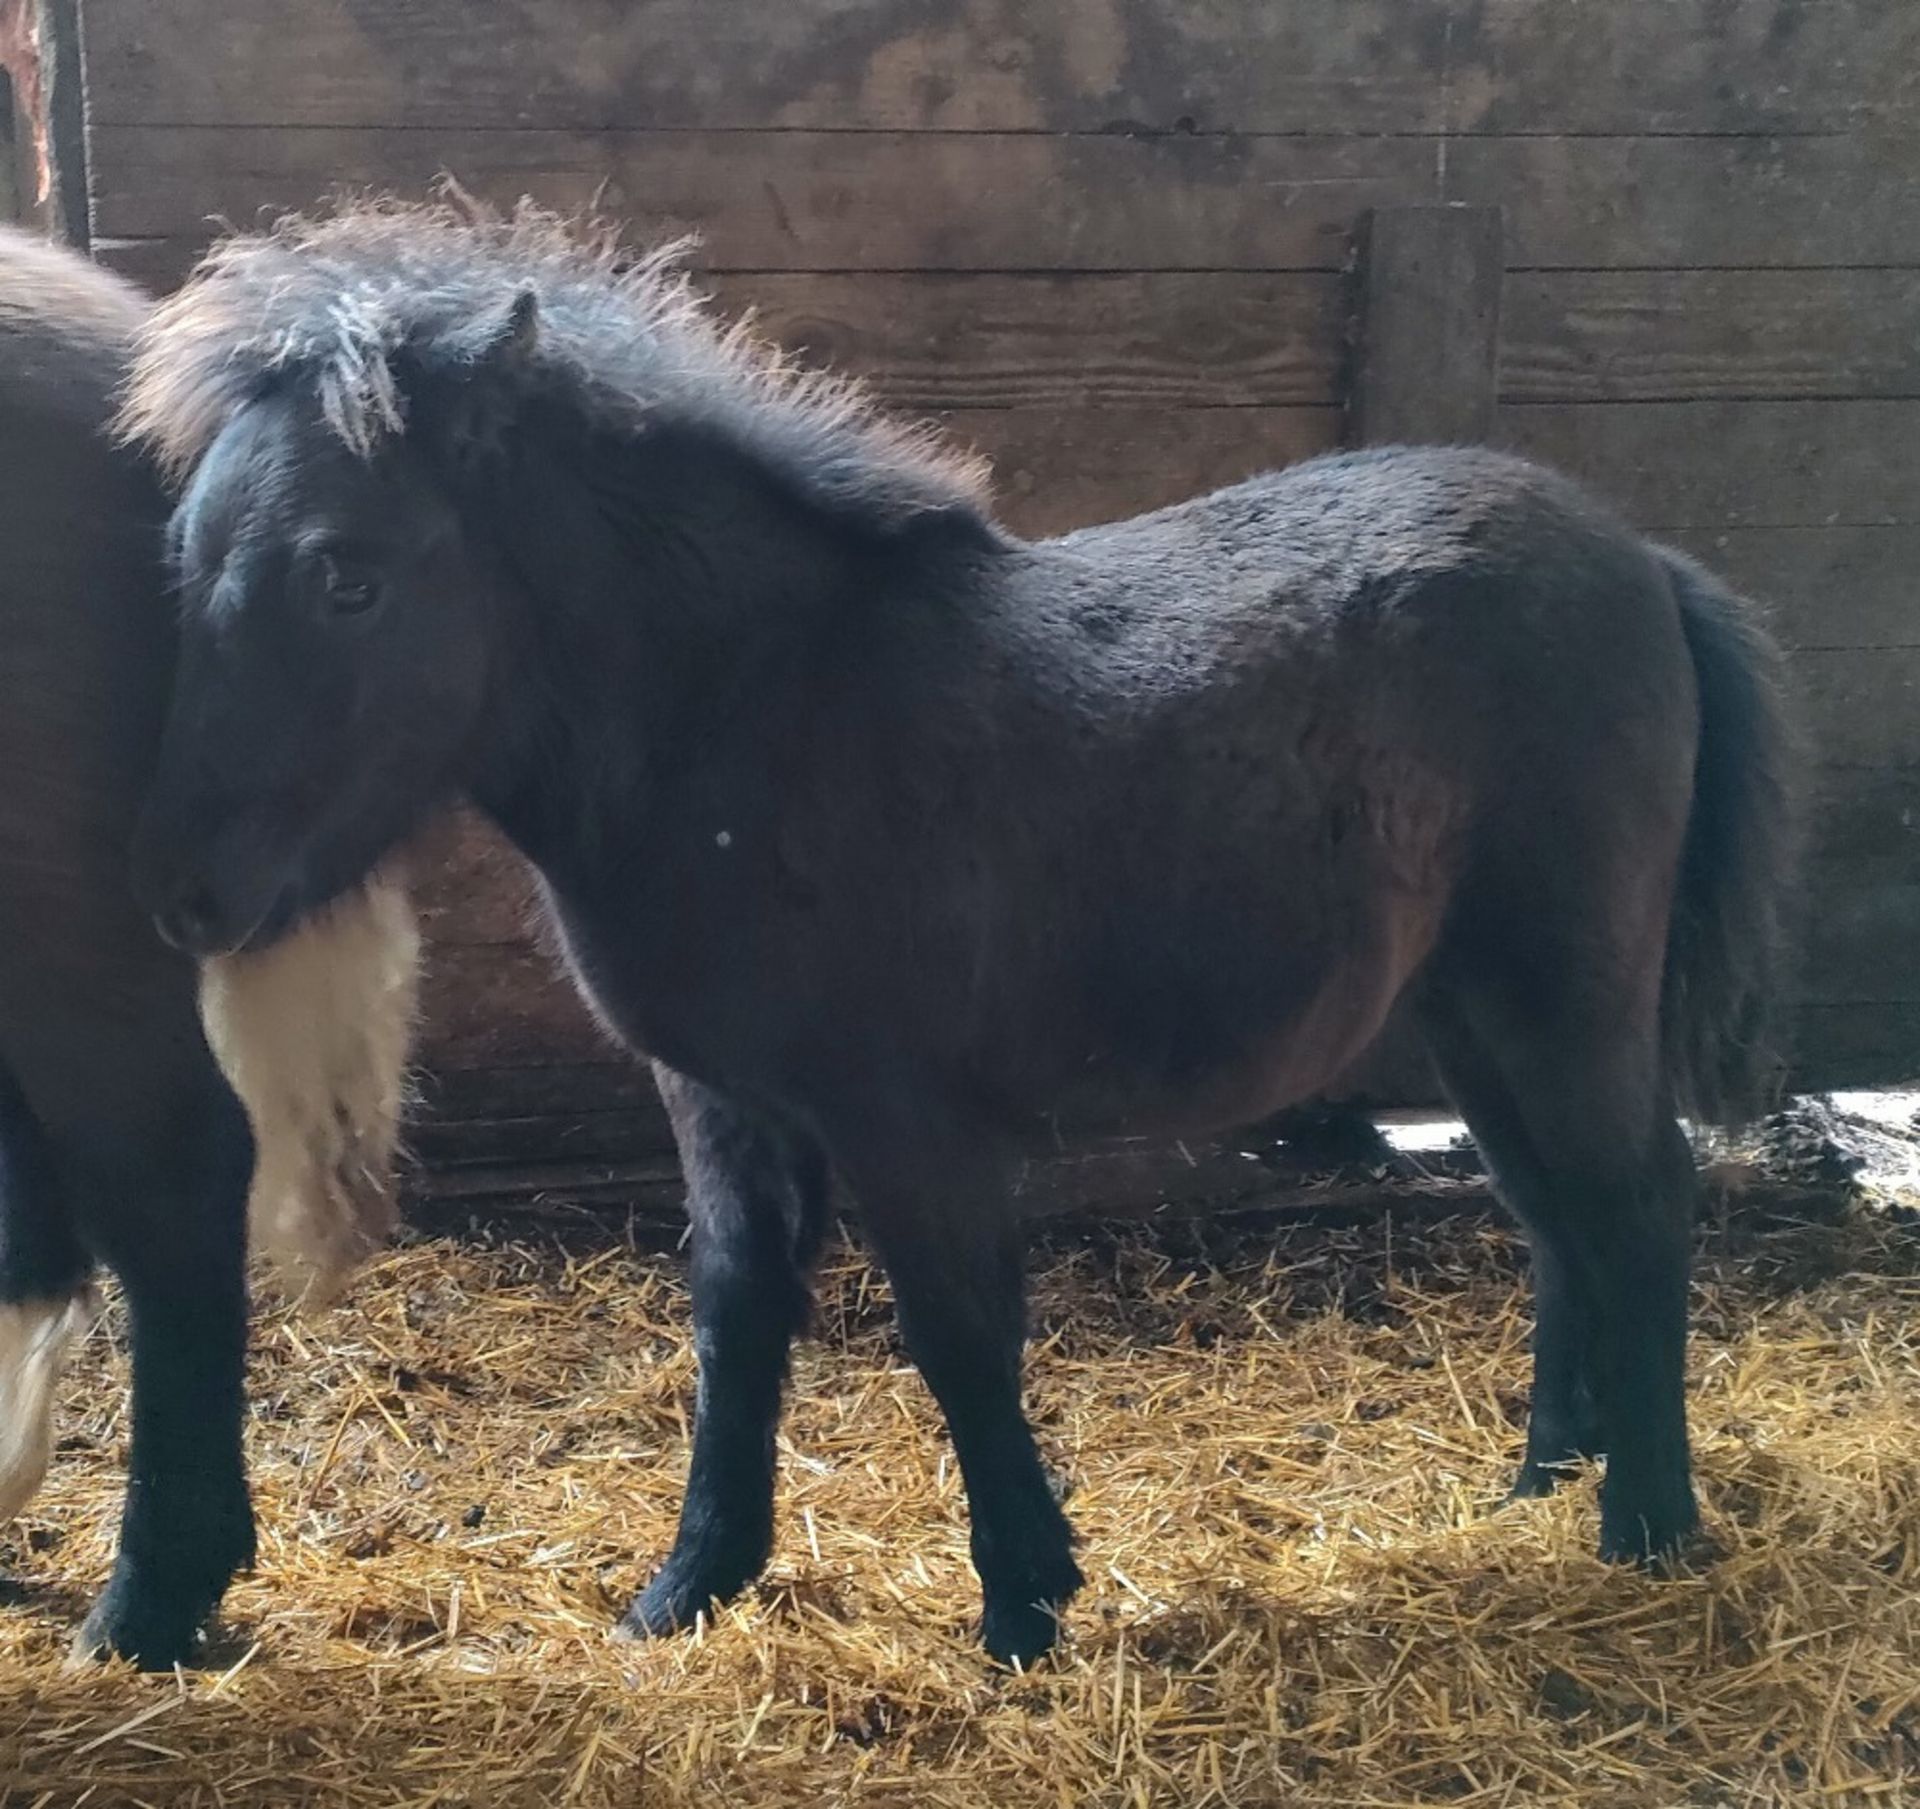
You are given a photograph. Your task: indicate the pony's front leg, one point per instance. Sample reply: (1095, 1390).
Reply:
(757, 1196)
(170, 1217)
(943, 1222)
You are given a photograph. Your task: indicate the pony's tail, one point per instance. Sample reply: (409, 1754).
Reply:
(315, 1034)
(1727, 949)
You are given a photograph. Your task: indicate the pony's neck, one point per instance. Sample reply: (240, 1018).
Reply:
(654, 578)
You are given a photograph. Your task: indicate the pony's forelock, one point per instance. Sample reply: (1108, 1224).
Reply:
(338, 303)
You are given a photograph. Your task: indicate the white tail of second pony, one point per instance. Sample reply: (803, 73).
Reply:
(315, 1034)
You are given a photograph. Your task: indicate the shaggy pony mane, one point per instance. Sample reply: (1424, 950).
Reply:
(344, 302)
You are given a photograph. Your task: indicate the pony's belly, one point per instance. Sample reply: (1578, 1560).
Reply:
(1292, 1056)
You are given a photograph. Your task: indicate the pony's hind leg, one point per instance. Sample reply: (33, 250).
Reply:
(1588, 1153)
(43, 1295)
(1563, 1420)
(757, 1195)
(1626, 1228)
(165, 1206)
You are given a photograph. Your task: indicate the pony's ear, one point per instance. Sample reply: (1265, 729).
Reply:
(511, 338)
(471, 405)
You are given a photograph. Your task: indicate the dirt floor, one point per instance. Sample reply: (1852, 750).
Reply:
(1284, 1444)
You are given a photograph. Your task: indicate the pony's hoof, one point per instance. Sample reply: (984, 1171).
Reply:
(1648, 1540)
(671, 1604)
(651, 1617)
(1537, 1480)
(153, 1634)
(1019, 1634)
(1022, 1620)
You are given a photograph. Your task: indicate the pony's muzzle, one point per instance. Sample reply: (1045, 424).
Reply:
(199, 920)
(210, 902)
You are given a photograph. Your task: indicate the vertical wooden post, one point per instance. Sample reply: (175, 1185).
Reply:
(1428, 355)
(63, 93)
(19, 90)
(16, 154)
(43, 133)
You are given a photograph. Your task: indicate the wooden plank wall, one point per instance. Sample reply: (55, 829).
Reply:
(1110, 243)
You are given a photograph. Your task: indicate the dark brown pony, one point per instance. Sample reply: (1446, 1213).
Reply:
(121, 1141)
(902, 844)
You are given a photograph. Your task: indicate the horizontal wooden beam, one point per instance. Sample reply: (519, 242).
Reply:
(988, 340)
(1715, 464)
(1331, 66)
(786, 200)
(1659, 335)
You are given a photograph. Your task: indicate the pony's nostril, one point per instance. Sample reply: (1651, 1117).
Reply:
(191, 921)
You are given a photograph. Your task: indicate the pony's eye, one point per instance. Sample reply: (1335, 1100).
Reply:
(351, 590)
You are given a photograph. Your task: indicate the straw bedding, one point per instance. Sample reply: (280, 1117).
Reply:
(1283, 1441)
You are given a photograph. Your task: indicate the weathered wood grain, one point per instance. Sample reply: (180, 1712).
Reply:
(1861, 707)
(472, 887)
(572, 1133)
(937, 341)
(987, 201)
(1694, 203)
(1864, 826)
(1658, 335)
(1427, 357)
(503, 1005)
(1336, 66)
(555, 1090)
(1713, 464)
